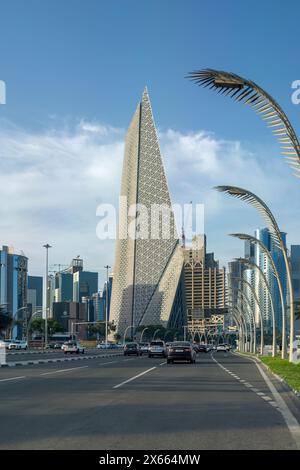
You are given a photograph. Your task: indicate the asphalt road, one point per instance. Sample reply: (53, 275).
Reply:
(221, 402)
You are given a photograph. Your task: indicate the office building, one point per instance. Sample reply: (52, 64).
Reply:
(13, 286)
(205, 289)
(35, 293)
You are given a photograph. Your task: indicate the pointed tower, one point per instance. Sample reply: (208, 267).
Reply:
(147, 266)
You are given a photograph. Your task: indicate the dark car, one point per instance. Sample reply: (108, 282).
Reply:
(181, 351)
(131, 348)
(203, 348)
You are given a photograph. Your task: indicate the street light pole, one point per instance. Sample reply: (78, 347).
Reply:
(47, 246)
(106, 306)
(143, 333)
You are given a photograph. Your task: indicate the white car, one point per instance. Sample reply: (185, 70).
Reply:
(221, 347)
(16, 344)
(73, 347)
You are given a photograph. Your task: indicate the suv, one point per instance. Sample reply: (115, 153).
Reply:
(131, 348)
(73, 347)
(157, 348)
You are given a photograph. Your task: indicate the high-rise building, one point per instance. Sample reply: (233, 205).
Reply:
(63, 286)
(255, 255)
(148, 260)
(85, 284)
(13, 285)
(295, 264)
(205, 289)
(35, 292)
(106, 294)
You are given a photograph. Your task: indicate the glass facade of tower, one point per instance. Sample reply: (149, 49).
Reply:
(13, 286)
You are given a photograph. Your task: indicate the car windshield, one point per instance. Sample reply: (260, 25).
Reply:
(131, 345)
(157, 343)
(181, 343)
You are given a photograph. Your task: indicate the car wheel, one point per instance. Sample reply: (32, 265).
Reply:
(83, 351)
(169, 361)
(150, 355)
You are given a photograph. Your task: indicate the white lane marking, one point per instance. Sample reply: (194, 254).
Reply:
(162, 363)
(105, 363)
(288, 416)
(13, 378)
(63, 370)
(260, 394)
(267, 398)
(135, 377)
(255, 390)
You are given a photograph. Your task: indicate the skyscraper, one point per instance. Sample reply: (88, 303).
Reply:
(13, 285)
(35, 292)
(205, 290)
(148, 262)
(255, 255)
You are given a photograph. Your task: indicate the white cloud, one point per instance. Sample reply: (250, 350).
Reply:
(52, 182)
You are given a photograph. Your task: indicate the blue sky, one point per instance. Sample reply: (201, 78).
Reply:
(66, 62)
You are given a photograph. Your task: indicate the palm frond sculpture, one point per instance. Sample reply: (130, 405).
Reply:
(264, 105)
(257, 203)
(267, 253)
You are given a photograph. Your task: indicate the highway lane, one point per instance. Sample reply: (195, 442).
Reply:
(139, 403)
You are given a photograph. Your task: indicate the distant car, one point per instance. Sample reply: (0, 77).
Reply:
(203, 348)
(73, 347)
(157, 348)
(131, 349)
(16, 344)
(144, 348)
(221, 347)
(55, 345)
(181, 351)
(106, 346)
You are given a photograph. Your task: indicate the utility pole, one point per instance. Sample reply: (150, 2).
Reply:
(106, 305)
(47, 246)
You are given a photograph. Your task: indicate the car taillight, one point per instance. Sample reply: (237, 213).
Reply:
(171, 349)
(188, 349)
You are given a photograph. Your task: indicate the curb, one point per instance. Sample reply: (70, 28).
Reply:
(48, 361)
(255, 358)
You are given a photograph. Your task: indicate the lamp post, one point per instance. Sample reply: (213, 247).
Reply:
(126, 329)
(156, 331)
(250, 265)
(143, 333)
(47, 246)
(259, 309)
(247, 301)
(266, 252)
(30, 320)
(263, 209)
(106, 305)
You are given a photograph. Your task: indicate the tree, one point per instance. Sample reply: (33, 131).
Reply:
(117, 337)
(5, 321)
(99, 329)
(38, 325)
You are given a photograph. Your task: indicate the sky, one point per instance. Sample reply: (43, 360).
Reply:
(74, 72)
